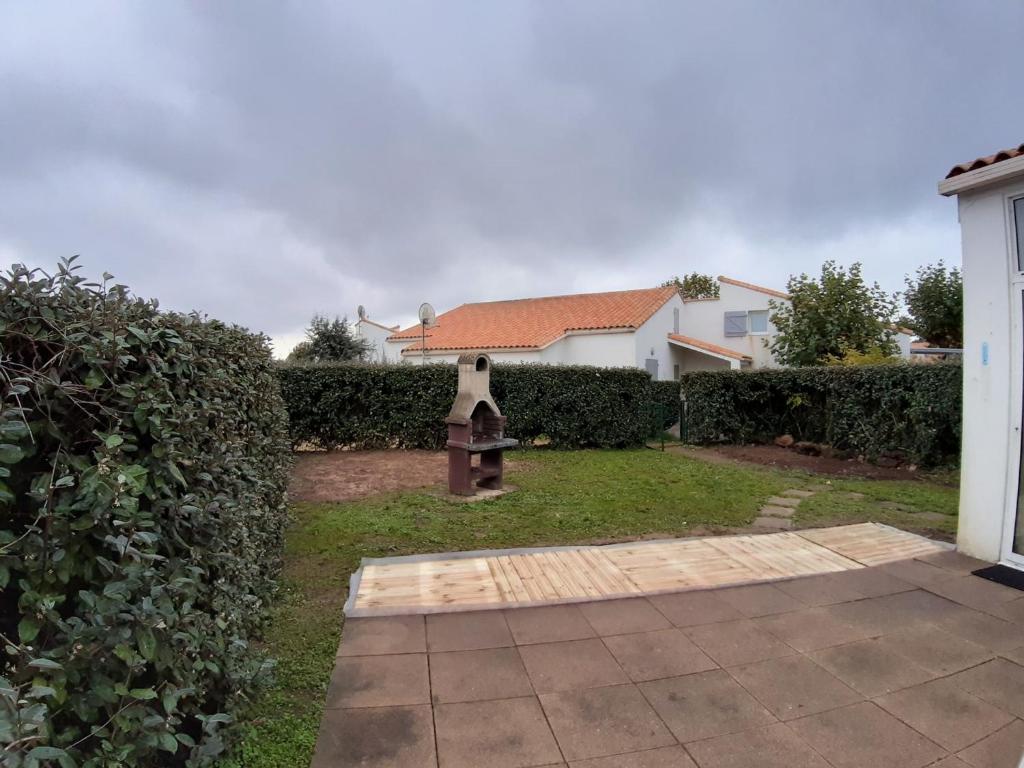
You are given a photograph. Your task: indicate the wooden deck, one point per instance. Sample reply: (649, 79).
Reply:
(476, 580)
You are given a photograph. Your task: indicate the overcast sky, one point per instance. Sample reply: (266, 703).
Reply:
(261, 161)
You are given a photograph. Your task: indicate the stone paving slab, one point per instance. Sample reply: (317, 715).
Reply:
(854, 669)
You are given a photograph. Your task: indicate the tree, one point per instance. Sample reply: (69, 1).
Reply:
(695, 286)
(935, 300)
(329, 341)
(828, 317)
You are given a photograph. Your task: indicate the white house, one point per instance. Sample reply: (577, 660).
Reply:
(377, 336)
(990, 194)
(650, 328)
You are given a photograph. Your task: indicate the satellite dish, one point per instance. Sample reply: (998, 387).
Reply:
(427, 315)
(361, 311)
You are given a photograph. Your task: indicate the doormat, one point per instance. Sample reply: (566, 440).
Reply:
(1001, 574)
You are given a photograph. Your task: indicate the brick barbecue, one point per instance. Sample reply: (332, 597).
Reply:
(475, 426)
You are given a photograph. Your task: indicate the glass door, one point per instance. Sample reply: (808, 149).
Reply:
(1013, 537)
(1013, 531)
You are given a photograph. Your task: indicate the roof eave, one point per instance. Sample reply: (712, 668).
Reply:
(981, 177)
(521, 348)
(755, 288)
(738, 357)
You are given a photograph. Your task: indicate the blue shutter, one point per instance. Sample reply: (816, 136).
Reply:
(735, 323)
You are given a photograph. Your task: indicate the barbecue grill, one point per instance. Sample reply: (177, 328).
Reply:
(475, 428)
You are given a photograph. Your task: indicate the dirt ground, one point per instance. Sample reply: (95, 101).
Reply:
(774, 456)
(345, 475)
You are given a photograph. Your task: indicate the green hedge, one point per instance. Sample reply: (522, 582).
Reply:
(378, 406)
(912, 410)
(143, 468)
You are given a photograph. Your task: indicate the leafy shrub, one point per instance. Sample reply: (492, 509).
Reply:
(377, 406)
(871, 410)
(143, 469)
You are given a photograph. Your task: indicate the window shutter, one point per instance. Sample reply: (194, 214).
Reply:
(735, 323)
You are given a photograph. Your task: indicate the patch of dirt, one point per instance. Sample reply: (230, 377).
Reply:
(346, 475)
(774, 456)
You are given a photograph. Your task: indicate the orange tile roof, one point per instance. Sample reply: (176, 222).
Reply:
(535, 323)
(752, 287)
(707, 346)
(983, 162)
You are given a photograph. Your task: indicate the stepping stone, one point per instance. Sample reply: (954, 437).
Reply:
(773, 523)
(770, 511)
(802, 494)
(854, 495)
(783, 501)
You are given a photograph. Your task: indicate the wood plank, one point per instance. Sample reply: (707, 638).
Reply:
(586, 573)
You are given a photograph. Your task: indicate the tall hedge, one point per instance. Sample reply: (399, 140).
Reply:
(143, 471)
(912, 410)
(378, 406)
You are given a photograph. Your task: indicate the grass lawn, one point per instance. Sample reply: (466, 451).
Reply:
(562, 498)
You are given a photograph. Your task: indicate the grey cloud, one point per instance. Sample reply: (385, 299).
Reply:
(264, 160)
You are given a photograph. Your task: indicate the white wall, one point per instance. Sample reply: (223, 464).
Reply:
(654, 335)
(602, 349)
(991, 419)
(377, 336)
(903, 341)
(689, 360)
(705, 320)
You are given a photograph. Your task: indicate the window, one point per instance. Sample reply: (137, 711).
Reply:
(1018, 218)
(758, 321)
(735, 323)
(675, 371)
(675, 320)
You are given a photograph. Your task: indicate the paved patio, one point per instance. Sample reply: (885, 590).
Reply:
(909, 664)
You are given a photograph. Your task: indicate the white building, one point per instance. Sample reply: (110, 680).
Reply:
(377, 336)
(650, 328)
(990, 194)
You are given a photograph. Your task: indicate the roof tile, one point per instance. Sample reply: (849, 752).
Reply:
(752, 287)
(983, 162)
(707, 346)
(535, 323)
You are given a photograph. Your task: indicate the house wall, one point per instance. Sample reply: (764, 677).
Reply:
(690, 361)
(654, 335)
(705, 320)
(377, 336)
(903, 341)
(991, 418)
(602, 349)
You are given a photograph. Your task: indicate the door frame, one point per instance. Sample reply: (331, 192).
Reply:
(1015, 437)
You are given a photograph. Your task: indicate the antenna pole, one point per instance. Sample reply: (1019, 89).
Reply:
(423, 342)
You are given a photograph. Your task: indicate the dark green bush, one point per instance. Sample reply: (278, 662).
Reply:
(143, 470)
(377, 406)
(912, 410)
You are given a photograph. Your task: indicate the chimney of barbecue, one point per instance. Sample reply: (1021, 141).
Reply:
(474, 387)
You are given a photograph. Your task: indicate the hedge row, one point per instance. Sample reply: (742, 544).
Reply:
(403, 406)
(143, 468)
(910, 410)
